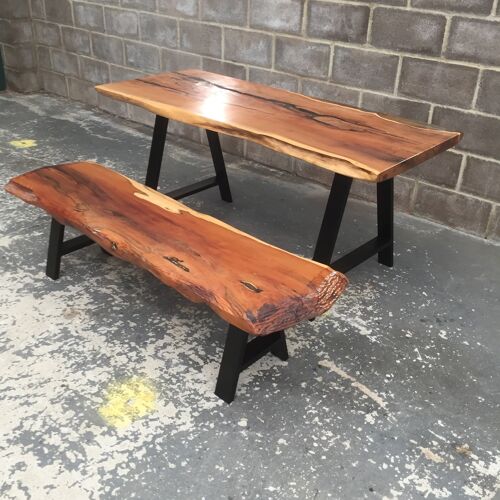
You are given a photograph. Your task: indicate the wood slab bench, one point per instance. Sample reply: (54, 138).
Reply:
(353, 143)
(257, 288)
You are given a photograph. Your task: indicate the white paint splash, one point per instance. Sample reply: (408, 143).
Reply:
(430, 455)
(326, 363)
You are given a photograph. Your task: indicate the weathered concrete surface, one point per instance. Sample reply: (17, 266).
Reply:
(107, 377)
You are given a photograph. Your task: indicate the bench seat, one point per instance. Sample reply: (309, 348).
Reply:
(251, 284)
(257, 288)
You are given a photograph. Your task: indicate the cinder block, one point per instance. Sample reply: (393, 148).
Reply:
(474, 40)
(481, 178)
(203, 39)
(481, 133)
(37, 9)
(121, 22)
(344, 22)
(140, 4)
(266, 156)
(107, 48)
(364, 69)
(186, 131)
(248, 47)
(43, 57)
(224, 68)
(175, 60)
(112, 106)
(80, 90)
(278, 15)
(15, 9)
(225, 11)
(274, 79)
(54, 82)
(469, 6)
(118, 73)
(313, 173)
(65, 62)
(489, 92)
(413, 110)
(23, 81)
(94, 71)
(142, 56)
(330, 92)
(453, 209)
(141, 115)
(159, 30)
(403, 192)
(179, 8)
(47, 33)
(21, 57)
(302, 57)
(442, 170)
(408, 31)
(494, 225)
(58, 11)
(15, 31)
(76, 40)
(88, 16)
(450, 84)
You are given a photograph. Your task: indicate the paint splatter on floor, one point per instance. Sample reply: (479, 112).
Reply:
(127, 401)
(23, 143)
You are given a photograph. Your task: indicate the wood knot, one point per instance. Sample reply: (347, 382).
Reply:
(251, 286)
(177, 262)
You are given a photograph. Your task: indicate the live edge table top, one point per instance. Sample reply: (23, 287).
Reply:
(346, 140)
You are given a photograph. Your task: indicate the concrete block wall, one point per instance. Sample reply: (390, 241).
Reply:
(436, 61)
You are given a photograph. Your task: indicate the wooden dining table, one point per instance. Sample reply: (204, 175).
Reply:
(353, 143)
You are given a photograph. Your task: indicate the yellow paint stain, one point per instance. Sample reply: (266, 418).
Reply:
(128, 401)
(23, 143)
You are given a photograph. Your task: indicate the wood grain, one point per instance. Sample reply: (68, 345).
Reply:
(350, 141)
(251, 284)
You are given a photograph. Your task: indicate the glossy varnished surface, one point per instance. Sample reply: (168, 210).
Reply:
(350, 141)
(252, 285)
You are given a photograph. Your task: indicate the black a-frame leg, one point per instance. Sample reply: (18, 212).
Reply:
(54, 253)
(335, 206)
(156, 156)
(156, 152)
(240, 354)
(385, 221)
(382, 244)
(58, 247)
(219, 165)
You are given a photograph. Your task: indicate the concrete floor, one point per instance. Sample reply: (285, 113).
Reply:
(107, 376)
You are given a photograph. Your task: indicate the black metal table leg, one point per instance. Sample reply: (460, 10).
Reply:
(385, 220)
(156, 152)
(219, 165)
(332, 218)
(382, 244)
(55, 253)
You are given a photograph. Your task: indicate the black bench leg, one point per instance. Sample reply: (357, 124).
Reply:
(156, 152)
(332, 218)
(219, 165)
(279, 348)
(385, 220)
(239, 354)
(231, 364)
(55, 250)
